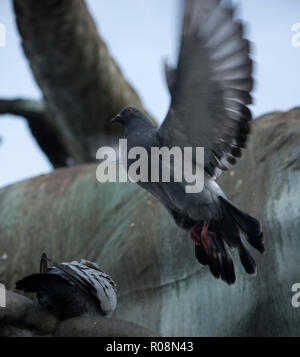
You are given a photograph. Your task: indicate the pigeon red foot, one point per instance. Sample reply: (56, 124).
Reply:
(202, 237)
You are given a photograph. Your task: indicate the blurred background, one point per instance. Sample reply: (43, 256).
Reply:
(139, 35)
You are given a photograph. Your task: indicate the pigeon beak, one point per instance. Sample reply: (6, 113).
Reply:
(116, 119)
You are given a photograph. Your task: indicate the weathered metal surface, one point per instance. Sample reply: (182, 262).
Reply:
(129, 234)
(24, 317)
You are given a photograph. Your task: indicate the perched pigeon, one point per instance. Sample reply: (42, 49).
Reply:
(210, 90)
(72, 289)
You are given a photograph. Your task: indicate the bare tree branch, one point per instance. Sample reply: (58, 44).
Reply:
(42, 128)
(82, 85)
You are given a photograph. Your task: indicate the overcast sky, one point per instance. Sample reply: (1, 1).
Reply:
(139, 34)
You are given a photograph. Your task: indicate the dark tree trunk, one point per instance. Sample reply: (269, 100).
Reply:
(82, 86)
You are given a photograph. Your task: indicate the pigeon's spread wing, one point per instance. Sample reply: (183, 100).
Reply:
(210, 87)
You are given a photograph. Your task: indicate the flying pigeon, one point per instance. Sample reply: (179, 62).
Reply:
(71, 289)
(210, 90)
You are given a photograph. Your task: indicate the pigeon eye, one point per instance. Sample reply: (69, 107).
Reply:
(129, 110)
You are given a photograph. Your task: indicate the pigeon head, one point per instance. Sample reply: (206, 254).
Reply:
(130, 116)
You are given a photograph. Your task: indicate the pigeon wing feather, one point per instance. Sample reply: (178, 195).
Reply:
(212, 88)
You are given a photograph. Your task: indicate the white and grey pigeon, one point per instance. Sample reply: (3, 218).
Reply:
(210, 90)
(72, 289)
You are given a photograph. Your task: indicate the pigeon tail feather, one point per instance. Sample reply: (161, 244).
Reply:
(228, 233)
(249, 226)
(217, 257)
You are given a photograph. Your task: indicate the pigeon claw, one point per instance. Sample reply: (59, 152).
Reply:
(205, 233)
(202, 237)
(194, 236)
